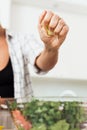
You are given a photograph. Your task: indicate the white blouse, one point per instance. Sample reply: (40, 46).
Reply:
(23, 50)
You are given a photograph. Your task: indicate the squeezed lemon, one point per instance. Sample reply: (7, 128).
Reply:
(49, 32)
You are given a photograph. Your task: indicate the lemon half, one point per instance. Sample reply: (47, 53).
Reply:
(49, 32)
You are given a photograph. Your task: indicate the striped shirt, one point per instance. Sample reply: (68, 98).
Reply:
(23, 50)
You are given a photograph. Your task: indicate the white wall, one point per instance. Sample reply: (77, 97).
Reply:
(72, 59)
(70, 72)
(5, 9)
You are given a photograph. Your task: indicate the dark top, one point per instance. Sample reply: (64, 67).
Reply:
(6, 82)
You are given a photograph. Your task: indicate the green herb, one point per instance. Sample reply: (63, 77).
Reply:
(60, 125)
(39, 127)
(20, 127)
(54, 115)
(12, 105)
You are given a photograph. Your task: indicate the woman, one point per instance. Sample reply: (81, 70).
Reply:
(16, 51)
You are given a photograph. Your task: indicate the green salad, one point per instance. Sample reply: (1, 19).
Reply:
(53, 115)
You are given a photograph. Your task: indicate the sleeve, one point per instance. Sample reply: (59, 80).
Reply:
(31, 50)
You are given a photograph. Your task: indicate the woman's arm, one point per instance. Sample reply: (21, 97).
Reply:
(53, 31)
(47, 60)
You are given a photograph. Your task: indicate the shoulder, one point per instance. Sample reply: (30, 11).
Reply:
(17, 35)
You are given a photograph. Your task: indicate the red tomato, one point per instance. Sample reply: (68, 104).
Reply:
(20, 120)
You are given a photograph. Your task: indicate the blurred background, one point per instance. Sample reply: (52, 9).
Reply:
(69, 76)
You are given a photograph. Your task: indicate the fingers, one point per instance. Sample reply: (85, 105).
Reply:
(42, 16)
(64, 31)
(41, 19)
(53, 22)
(59, 26)
(45, 18)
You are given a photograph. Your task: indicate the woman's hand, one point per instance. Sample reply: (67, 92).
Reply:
(52, 30)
